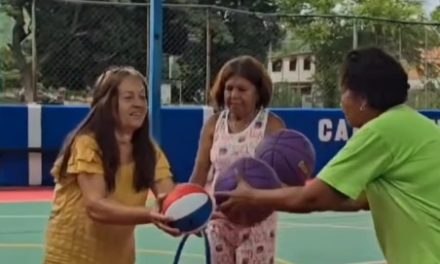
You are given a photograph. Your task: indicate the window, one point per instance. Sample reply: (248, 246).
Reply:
(277, 65)
(292, 64)
(307, 64)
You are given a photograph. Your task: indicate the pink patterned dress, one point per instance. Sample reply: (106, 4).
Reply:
(231, 243)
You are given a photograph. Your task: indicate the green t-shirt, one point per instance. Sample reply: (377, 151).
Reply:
(395, 160)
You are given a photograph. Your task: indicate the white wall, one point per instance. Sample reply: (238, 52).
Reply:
(298, 74)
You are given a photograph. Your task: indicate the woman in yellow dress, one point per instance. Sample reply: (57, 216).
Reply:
(103, 175)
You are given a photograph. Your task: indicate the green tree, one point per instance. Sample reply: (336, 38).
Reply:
(76, 41)
(435, 15)
(232, 32)
(331, 37)
(19, 47)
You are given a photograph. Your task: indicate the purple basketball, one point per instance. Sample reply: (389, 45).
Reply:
(291, 154)
(257, 174)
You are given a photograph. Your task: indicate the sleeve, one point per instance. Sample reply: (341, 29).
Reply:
(163, 168)
(85, 156)
(364, 158)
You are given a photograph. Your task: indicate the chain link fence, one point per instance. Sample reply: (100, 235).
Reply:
(75, 40)
(305, 68)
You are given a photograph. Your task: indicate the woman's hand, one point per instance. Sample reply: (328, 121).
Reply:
(240, 197)
(161, 221)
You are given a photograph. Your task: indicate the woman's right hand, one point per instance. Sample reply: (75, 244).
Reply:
(162, 222)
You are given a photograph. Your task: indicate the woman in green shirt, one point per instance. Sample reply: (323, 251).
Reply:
(392, 161)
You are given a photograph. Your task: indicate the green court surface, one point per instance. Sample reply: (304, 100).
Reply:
(320, 238)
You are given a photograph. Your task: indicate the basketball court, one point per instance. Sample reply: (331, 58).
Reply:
(319, 238)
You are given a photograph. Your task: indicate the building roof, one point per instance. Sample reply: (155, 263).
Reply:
(291, 46)
(288, 55)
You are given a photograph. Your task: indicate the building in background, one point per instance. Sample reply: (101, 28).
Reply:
(292, 75)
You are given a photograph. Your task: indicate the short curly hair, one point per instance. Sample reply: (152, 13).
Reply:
(374, 74)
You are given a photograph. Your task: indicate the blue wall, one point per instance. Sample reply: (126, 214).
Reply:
(180, 128)
(13, 143)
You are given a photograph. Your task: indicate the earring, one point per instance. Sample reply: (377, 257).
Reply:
(362, 108)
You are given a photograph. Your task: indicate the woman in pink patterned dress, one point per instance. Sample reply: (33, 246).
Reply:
(241, 93)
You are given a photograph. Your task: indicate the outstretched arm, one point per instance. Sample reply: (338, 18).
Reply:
(315, 196)
(338, 187)
(101, 208)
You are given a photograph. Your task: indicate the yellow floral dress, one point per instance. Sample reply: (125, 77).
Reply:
(74, 238)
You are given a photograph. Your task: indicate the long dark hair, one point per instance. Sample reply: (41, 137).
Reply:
(101, 123)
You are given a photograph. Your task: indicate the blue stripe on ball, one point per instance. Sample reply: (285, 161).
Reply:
(191, 212)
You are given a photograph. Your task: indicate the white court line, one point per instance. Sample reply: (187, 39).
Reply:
(282, 225)
(326, 215)
(285, 225)
(23, 216)
(370, 262)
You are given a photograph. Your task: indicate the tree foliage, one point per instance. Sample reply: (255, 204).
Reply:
(77, 41)
(231, 33)
(331, 37)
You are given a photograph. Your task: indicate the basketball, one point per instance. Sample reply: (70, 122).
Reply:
(190, 207)
(291, 154)
(257, 174)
